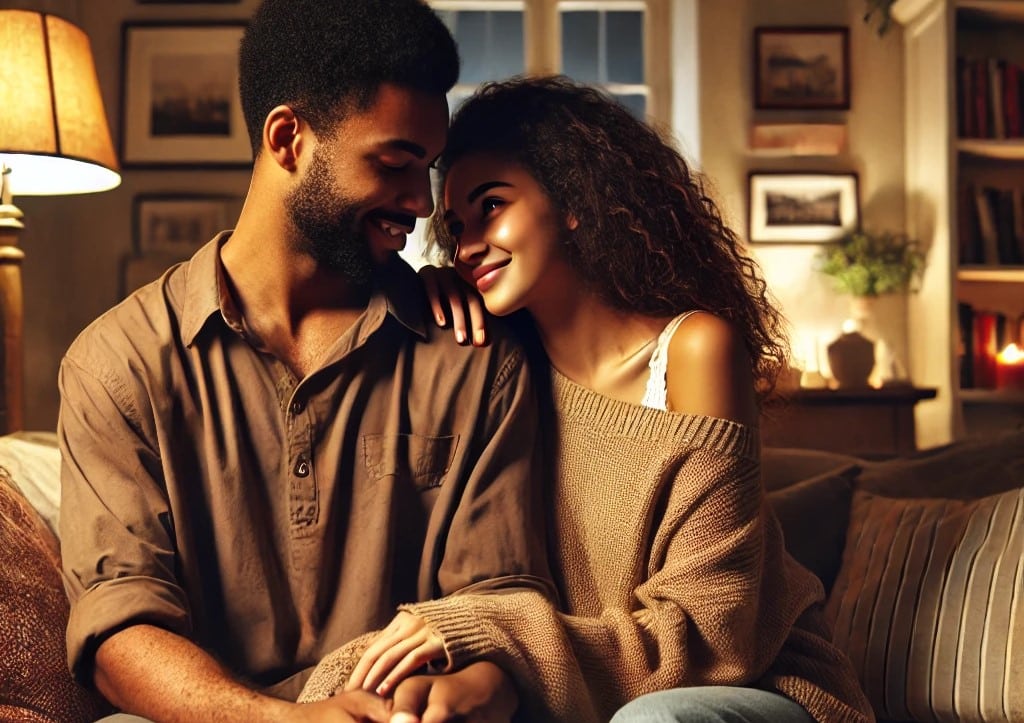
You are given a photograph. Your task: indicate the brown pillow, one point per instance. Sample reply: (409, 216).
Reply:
(929, 606)
(814, 514)
(35, 684)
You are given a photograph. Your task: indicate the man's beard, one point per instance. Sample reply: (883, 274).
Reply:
(329, 223)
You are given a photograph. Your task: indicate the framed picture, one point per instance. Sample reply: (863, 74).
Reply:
(179, 102)
(802, 68)
(176, 226)
(802, 207)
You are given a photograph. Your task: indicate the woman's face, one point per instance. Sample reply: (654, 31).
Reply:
(508, 234)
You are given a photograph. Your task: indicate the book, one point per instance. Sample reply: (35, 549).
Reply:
(979, 87)
(965, 347)
(985, 341)
(1012, 78)
(995, 98)
(987, 230)
(1002, 204)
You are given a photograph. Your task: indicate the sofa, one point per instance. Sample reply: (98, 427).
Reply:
(921, 559)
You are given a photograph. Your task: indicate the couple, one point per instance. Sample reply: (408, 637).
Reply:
(270, 448)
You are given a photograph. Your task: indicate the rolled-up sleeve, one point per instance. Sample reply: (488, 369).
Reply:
(116, 528)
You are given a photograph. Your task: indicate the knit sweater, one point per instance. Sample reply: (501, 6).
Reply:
(672, 570)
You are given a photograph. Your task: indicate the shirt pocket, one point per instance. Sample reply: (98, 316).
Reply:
(421, 459)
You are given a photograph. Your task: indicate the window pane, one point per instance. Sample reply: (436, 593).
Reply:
(581, 46)
(636, 103)
(490, 42)
(625, 46)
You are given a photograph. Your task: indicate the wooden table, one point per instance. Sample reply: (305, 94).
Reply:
(862, 422)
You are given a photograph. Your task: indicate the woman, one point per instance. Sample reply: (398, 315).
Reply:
(661, 342)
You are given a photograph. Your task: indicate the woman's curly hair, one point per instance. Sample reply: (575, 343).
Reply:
(649, 238)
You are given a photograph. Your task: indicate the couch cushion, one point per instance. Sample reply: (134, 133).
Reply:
(784, 466)
(967, 469)
(35, 684)
(814, 514)
(928, 605)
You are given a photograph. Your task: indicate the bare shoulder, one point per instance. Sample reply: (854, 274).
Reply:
(709, 371)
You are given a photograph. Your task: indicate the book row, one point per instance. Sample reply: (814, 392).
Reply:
(982, 335)
(990, 98)
(990, 225)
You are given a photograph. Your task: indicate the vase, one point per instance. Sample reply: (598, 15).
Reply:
(883, 320)
(851, 358)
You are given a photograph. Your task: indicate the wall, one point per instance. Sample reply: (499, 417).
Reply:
(75, 245)
(875, 138)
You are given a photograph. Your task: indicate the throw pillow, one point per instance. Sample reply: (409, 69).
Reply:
(814, 515)
(928, 605)
(35, 684)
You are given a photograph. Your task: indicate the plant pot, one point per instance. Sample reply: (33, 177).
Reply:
(851, 358)
(883, 320)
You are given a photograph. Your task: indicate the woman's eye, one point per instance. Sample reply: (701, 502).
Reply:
(489, 204)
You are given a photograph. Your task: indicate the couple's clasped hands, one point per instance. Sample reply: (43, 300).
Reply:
(383, 688)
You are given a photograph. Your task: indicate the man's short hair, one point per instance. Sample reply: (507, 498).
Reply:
(326, 58)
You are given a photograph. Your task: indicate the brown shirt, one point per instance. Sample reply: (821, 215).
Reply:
(208, 491)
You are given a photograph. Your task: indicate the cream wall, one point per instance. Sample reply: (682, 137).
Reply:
(75, 245)
(874, 125)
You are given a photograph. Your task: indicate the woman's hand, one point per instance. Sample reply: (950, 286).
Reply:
(450, 296)
(402, 648)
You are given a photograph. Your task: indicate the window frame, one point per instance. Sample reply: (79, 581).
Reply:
(542, 39)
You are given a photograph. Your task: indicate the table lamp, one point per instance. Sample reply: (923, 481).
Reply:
(54, 139)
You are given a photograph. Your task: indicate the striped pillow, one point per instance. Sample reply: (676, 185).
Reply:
(929, 606)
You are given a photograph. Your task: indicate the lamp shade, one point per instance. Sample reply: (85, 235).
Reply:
(53, 130)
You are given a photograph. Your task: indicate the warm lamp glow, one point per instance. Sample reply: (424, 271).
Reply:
(53, 133)
(1012, 354)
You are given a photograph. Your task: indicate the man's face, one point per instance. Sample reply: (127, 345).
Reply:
(365, 183)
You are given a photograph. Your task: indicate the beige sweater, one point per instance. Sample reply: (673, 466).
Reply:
(672, 570)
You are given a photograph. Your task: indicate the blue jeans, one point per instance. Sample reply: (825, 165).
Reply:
(712, 704)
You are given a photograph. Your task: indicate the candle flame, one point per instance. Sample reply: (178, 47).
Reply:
(1011, 354)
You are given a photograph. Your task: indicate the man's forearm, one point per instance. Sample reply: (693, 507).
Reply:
(160, 675)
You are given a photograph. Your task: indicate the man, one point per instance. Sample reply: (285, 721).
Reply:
(268, 449)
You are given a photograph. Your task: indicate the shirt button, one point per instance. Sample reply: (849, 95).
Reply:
(302, 467)
(297, 407)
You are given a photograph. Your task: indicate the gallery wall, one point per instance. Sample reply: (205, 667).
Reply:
(75, 245)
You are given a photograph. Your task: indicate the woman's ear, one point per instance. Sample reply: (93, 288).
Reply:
(571, 222)
(283, 136)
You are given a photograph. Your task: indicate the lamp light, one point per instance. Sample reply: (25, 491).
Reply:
(54, 139)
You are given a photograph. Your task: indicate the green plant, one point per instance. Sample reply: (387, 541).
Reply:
(884, 10)
(868, 264)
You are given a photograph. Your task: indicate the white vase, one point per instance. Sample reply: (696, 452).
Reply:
(883, 319)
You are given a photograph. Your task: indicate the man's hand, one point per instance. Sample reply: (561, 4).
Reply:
(449, 296)
(479, 693)
(402, 648)
(356, 706)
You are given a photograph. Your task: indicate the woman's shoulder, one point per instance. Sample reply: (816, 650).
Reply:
(709, 370)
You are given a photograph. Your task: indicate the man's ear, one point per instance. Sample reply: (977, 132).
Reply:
(283, 136)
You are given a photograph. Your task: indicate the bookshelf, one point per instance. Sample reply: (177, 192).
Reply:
(966, 203)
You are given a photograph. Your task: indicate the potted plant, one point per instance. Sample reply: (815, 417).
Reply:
(863, 263)
(870, 266)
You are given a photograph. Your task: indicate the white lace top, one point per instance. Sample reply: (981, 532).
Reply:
(656, 395)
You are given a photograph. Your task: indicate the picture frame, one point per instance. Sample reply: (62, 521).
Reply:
(177, 225)
(188, 2)
(180, 105)
(802, 68)
(802, 207)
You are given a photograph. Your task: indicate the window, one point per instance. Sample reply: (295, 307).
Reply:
(621, 45)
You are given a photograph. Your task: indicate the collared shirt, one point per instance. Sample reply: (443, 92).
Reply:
(209, 491)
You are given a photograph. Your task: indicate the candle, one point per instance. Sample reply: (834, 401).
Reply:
(1010, 368)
